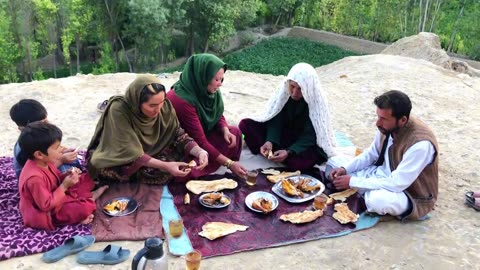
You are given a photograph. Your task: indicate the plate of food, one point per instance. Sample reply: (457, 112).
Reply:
(297, 189)
(214, 200)
(261, 202)
(120, 206)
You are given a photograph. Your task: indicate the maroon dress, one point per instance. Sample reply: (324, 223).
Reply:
(214, 143)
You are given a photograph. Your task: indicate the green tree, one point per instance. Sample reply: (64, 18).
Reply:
(22, 25)
(9, 53)
(47, 15)
(214, 21)
(150, 30)
(77, 19)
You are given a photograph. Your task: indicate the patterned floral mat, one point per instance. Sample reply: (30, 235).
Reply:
(15, 239)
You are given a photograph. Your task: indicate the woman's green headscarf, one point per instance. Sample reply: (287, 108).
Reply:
(124, 133)
(192, 87)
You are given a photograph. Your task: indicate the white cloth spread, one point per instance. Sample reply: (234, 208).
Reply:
(306, 77)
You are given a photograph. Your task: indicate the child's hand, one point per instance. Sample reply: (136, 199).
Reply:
(70, 180)
(69, 157)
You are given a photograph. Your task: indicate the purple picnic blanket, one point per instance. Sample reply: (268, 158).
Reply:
(15, 239)
(264, 230)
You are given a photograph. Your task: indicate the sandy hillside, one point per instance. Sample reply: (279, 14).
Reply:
(447, 101)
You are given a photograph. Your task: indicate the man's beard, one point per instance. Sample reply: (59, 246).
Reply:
(389, 131)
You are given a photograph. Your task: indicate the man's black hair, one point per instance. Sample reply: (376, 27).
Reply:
(395, 100)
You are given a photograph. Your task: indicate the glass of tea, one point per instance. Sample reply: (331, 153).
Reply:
(320, 202)
(176, 227)
(192, 260)
(252, 177)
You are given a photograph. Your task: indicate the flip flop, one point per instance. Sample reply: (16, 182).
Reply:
(111, 254)
(72, 245)
(471, 195)
(471, 203)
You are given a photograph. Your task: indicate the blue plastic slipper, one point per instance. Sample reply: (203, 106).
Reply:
(72, 245)
(112, 254)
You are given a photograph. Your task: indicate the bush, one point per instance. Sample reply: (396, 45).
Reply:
(277, 55)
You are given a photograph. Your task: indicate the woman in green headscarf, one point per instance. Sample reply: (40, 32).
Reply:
(139, 137)
(199, 105)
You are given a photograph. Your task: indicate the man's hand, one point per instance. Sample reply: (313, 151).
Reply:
(337, 172)
(342, 182)
(229, 138)
(279, 156)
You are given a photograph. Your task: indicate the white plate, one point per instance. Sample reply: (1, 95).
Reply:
(216, 205)
(260, 194)
(131, 207)
(277, 189)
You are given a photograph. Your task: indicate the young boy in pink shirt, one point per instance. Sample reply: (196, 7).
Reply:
(49, 198)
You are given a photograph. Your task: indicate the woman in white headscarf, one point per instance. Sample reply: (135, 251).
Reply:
(296, 128)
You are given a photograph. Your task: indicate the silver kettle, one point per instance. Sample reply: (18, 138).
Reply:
(151, 256)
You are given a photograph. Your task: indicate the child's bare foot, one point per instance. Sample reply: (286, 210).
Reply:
(98, 192)
(88, 220)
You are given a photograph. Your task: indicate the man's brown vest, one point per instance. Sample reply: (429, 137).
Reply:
(423, 191)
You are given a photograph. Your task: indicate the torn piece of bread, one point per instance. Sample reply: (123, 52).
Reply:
(343, 195)
(199, 186)
(276, 178)
(302, 217)
(343, 214)
(214, 230)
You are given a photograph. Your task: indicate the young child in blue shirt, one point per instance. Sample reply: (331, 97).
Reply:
(28, 111)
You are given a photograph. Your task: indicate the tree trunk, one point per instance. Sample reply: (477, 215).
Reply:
(454, 28)
(55, 63)
(277, 21)
(191, 43)
(414, 30)
(437, 8)
(427, 5)
(419, 16)
(406, 18)
(77, 44)
(130, 68)
(113, 43)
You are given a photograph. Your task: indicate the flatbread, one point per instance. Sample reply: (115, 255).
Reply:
(343, 195)
(199, 186)
(302, 217)
(276, 178)
(343, 214)
(270, 172)
(214, 230)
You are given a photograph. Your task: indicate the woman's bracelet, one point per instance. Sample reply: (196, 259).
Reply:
(229, 163)
(202, 151)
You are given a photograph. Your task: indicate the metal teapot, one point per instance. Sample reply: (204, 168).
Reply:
(151, 256)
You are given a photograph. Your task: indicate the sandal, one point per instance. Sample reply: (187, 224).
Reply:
(102, 106)
(470, 201)
(72, 245)
(111, 254)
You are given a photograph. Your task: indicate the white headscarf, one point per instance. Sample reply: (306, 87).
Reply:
(306, 77)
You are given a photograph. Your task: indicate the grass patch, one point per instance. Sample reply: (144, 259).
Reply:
(277, 55)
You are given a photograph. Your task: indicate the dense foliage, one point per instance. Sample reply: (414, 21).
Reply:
(277, 55)
(138, 35)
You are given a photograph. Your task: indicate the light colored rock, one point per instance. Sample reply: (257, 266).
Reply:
(424, 46)
(443, 99)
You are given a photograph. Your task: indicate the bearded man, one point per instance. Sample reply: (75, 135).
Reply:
(398, 173)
